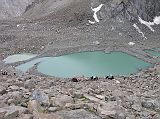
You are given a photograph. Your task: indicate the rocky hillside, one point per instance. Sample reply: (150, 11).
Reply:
(13, 8)
(146, 9)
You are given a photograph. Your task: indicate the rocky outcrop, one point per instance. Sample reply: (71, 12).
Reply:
(130, 9)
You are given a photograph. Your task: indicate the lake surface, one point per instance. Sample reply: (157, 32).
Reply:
(18, 57)
(87, 64)
(153, 52)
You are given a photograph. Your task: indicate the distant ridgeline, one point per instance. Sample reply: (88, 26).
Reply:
(129, 9)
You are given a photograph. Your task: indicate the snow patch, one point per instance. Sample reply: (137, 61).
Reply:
(131, 43)
(91, 22)
(148, 24)
(156, 21)
(139, 31)
(95, 10)
(96, 42)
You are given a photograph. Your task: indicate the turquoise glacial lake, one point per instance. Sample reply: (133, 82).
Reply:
(87, 64)
(153, 53)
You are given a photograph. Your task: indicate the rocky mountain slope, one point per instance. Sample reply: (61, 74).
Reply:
(13, 8)
(146, 9)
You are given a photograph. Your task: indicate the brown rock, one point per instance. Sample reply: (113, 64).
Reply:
(2, 114)
(25, 116)
(46, 116)
(77, 114)
(30, 84)
(108, 110)
(62, 100)
(2, 90)
(12, 111)
(13, 88)
(33, 105)
(108, 114)
(156, 116)
(77, 94)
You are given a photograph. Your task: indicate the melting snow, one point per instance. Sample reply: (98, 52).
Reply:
(156, 21)
(96, 42)
(91, 22)
(148, 24)
(95, 10)
(139, 31)
(131, 43)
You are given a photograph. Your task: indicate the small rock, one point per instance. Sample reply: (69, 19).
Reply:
(46, 116)
(108, 109)
(62, 100)
(41, 97)
(2, 115)
(121, 115)
(87, 24)
(156, 116)
(77, 95)
(25, 116)
(110, 98)
(2, 90)
(4, 73)
(77, 114)
(16, 96)
(26, 96)
(137, 107)
(19, 84)
(74, 80)
(13, 88)
(157, 105)
(148, 104)
(10, 101)
(120, 34)
(108, 114)
(145, 113)
(33, 105)
(96, 42)
(101, 97)
(130, 117)
(52, 109)
(30, 84)
(74, 106)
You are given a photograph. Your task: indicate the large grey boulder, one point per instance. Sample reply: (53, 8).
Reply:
(41, 97)
(12, 112)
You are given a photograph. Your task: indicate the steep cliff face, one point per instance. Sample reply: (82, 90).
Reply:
(147, 9)
(131, 9)
(13, 8)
